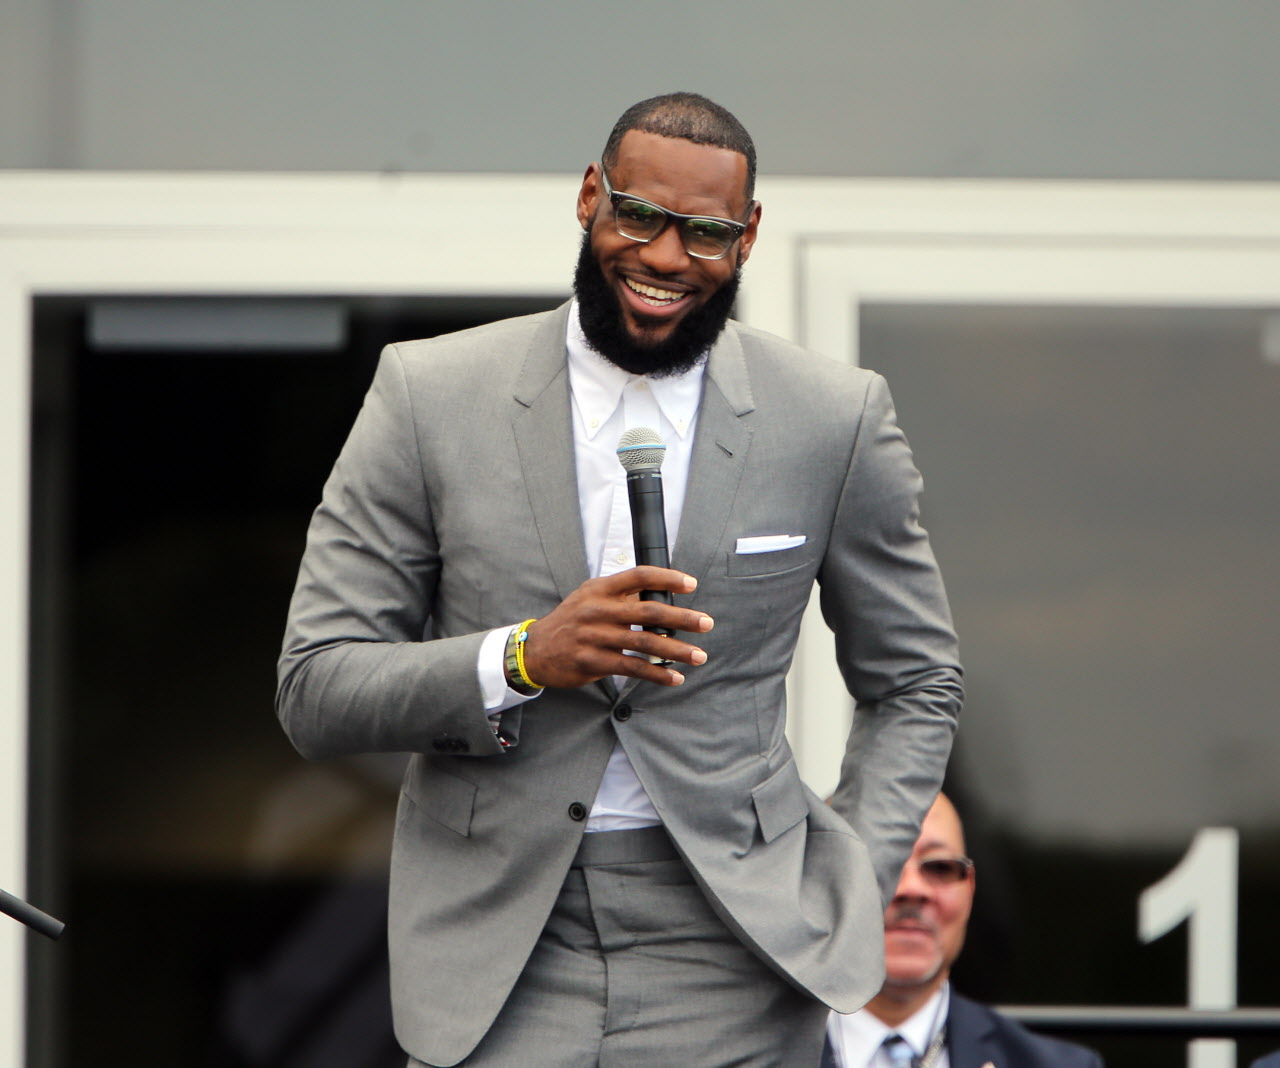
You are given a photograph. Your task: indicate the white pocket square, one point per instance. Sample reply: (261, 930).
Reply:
(769, 543)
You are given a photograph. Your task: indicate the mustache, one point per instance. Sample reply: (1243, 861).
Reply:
(908, 912)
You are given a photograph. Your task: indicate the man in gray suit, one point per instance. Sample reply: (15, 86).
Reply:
(602, 857)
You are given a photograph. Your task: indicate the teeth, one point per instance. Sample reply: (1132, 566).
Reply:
(652, 294)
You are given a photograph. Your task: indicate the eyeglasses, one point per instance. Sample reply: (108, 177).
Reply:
(705, 237)
(943, 871)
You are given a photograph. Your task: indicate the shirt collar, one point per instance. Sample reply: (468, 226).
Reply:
(922, 1025)
(918, 1029)
(597, 385)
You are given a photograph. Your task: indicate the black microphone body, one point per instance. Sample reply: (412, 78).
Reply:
(641, 451)
(649, 530)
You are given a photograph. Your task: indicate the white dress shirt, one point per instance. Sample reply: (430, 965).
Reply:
(857, 1039)
(606, 402)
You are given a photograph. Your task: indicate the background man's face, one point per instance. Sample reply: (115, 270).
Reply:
(925, 923)
(658, 284)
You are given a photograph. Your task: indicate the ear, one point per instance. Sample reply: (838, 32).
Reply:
(589, 196)
(749, 238)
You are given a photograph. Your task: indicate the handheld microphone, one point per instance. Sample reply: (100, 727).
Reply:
(641, 452)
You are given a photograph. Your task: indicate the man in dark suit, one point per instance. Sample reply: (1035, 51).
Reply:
(917, 1019)
(602, 857)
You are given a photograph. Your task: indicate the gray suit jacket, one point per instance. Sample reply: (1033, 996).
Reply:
(454, 506)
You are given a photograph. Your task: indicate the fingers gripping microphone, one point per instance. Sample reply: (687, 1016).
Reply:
(641, 452)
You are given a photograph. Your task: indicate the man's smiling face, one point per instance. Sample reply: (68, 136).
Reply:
(656, 288)
(924, 925)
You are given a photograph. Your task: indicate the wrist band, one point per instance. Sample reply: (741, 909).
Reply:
(513, 661)
(521, 638)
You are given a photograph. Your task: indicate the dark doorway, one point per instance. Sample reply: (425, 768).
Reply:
(224, 898)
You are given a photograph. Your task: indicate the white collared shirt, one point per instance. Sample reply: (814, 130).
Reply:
(858, 1037)
(606, 400)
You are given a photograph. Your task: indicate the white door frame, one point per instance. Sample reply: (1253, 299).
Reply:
(826, 247)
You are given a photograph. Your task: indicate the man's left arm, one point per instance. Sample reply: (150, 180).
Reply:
(882, 595)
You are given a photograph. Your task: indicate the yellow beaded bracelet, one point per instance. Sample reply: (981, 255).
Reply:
(517, 676)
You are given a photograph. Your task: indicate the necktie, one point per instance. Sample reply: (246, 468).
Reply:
(898, 1052)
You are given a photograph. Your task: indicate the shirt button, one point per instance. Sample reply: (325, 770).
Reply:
(578, 811)
(621, 558)
(595, 423)
(622, 713)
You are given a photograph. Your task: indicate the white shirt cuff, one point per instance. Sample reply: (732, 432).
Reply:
(498, 696)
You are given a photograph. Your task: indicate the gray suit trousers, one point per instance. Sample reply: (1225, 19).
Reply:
(635, 969)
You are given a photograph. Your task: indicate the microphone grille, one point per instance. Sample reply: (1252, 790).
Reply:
(641, 448)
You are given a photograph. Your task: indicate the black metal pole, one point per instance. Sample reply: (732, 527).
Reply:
(30, 915)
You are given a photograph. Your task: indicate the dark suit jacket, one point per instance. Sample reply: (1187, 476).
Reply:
(977, 1036)
(1271, 1060)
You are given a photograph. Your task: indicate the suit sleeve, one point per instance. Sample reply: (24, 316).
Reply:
(355, 674)
(882, 595)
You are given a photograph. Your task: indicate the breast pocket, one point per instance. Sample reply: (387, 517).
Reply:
(778, 562)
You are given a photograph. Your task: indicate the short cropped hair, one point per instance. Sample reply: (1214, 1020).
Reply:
(688, 116)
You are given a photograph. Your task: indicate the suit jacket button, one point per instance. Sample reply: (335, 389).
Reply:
(622, 713)
(578, 811)
(440, 744)
(461, 745)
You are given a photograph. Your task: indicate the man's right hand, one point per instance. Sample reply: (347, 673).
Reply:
(583, 638)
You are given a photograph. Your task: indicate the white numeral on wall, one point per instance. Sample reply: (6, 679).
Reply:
(1202, 890)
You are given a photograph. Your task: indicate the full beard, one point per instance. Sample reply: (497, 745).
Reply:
(600, 312)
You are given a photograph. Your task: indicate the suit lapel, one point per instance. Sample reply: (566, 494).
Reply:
(968, 1034)
(718, 460)
(544, 439)
(719, 457)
